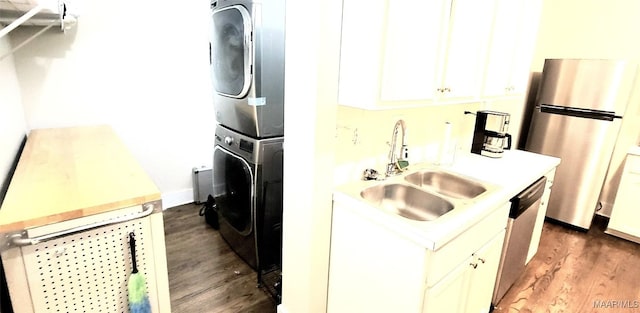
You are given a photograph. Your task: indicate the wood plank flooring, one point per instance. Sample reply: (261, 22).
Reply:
(205, 275)
(573, 271)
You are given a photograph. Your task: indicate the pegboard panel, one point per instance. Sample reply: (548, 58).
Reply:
(88, 271)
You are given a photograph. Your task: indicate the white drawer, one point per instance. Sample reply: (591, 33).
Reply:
(445, 259)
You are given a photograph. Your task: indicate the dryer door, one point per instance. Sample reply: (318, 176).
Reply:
(231, 49)
(233, 189)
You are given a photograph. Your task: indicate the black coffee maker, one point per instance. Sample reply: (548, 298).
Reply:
(490, 137)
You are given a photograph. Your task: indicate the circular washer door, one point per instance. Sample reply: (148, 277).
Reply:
(231, 50)
(233, 190)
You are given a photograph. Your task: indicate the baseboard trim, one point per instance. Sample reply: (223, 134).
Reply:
(176, 198)
(622, 235)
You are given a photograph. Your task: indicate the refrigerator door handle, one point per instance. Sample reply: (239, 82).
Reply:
(584, 113)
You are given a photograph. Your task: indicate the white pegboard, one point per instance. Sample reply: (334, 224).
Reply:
(88, 271)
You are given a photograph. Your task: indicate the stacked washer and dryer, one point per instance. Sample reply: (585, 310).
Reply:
(247, 71)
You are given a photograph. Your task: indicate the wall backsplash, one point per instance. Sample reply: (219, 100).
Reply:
(363, 136)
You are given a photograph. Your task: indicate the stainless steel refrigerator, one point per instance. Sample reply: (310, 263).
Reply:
(579, 109)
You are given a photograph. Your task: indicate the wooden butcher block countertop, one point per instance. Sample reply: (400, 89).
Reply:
(68, 173)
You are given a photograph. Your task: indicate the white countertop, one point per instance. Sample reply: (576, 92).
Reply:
(505, 177)
(515, 171)
(634, 150)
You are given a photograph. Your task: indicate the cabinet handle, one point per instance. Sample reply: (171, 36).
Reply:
(447, 89)
(482, 260)
(474, 265)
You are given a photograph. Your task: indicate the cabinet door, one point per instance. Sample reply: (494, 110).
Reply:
(511, 49)
(372, 269)
(468, 35)
(624, 215)
(450, 293)
(411, 49)
(360, 52)
(525, 47)
(483, 276)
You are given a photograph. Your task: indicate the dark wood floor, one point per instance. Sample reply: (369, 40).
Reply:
(573, 271)
(205, 275)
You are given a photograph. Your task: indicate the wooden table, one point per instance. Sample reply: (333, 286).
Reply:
(76, 195)
(67, 173)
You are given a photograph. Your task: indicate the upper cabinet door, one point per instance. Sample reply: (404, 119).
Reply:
(468, 36)
(389, 52)
(397, 53)
(361, 52)
(523, 54)
(512, 45)
(412, 48)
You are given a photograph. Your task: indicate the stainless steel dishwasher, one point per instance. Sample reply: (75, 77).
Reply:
(522, 218)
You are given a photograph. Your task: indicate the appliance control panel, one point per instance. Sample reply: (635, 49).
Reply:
(246, 145)
(250, 149)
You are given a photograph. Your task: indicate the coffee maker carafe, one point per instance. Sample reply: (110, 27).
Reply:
(490, 137)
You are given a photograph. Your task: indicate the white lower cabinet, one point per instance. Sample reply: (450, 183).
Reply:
(448, 294)
(374, 269)
(624, 221)
(483, 272)
(469, 287)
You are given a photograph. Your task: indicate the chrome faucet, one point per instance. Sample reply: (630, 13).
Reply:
(394, 166)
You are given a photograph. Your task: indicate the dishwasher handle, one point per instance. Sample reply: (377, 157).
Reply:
(525, 199)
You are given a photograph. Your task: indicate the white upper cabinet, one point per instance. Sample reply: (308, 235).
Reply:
(397, 53)
(411, 50)
(468, 33)
(512, 46)
(361, 51)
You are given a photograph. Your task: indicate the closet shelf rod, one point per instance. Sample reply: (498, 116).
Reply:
(21, 20)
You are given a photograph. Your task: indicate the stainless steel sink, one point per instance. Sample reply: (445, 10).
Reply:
(447, 184)
(407, 201)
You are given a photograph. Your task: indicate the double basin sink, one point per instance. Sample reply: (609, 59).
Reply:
(424, 195)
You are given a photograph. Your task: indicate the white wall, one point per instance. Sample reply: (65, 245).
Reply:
(311, 92)
(141, 67)
(12, 123)
(363, 136)
(600, 29)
